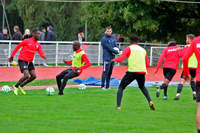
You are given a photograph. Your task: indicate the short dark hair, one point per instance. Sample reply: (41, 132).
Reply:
(108, 27)
(134, 38)
(172, 41)
(35, 30)
(77, 43)
(190, 36)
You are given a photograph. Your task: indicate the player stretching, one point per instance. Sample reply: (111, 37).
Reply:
(194, 48)
(26, 55)
(192, 69)
(79, 62)
(137, 63)
(171, 54)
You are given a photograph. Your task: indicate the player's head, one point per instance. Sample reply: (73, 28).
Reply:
(133, 39)
(172, 42)
(189, 38)
(16, 28)
(108, 31)
(36, 34)
(76, 45)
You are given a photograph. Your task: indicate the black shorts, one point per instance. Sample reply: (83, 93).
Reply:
(24, 65)
(198, 91)
(169, 73)
(192, 73)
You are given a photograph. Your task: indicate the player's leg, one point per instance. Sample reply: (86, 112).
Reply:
(110, 69)
(198, 106)
(168, 77)
(165, 84)
(32, 74)
(104, 73)
(71, 74)
(60, 76)
(180, 87)
(103, 76)
(141, 81)
(23, 65)
(192, 82)
(126, 80)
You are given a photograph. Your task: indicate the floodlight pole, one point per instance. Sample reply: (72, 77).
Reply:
(3, 19)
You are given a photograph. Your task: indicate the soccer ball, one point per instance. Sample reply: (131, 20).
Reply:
(14, 63)
(117, 49)
(5, 88)
(82, 87)
(50, 91)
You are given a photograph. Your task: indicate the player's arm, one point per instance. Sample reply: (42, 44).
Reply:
(186, 57)
(147, 61)
(108, 47)
(162, 56)
(67, 61)
(41, 53)
(126, 53)
(86, 60)
(15, 50)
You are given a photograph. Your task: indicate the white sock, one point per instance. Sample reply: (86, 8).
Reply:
(178, 94)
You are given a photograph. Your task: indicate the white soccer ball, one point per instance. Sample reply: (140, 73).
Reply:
(50, 91)
(82, 87)
(117, 49)
(5, 88)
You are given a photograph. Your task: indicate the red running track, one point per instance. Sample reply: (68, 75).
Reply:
(13, 73)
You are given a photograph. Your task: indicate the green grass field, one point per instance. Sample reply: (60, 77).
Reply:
(92, 111)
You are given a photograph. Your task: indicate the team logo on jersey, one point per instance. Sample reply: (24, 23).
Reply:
(37, 46)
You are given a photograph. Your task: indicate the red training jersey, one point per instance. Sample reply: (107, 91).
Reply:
(84, 58)
(171, 55)
(29, 48)
(194, 48)
(126, 53)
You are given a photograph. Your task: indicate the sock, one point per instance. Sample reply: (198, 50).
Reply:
(193, 86)
(119, 96)
(164, 86)
(17, 85)
(180, 87)
(178, 94)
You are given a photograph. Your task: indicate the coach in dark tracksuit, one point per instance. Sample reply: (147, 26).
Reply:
(108, 43)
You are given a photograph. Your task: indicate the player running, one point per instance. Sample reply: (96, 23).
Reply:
(26, 55)
(192, 69)
(194, 48)
(171, 54)
(79, 62)
(137, 63)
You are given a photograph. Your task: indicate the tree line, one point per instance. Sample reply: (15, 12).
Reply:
(151, 20)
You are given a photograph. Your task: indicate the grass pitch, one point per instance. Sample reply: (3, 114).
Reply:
(93, 111)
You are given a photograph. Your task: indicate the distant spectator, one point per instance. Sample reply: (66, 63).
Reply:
(27, 34)
(1, 36)
(51, 34)
(5, 34)
(17, 35)
(42, 34)
(81, 37)
(120, 38)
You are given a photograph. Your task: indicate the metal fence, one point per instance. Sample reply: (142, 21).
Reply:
(56, 51)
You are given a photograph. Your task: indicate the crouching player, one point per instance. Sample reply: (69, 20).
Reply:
(194, 48)
(137, 63)
(79, 62)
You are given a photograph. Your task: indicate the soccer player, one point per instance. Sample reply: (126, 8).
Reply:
(26, 55)
(108, 43)
(194, 48)
(192, 69)
(79, 62)
(137, 63)
(171, 54)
